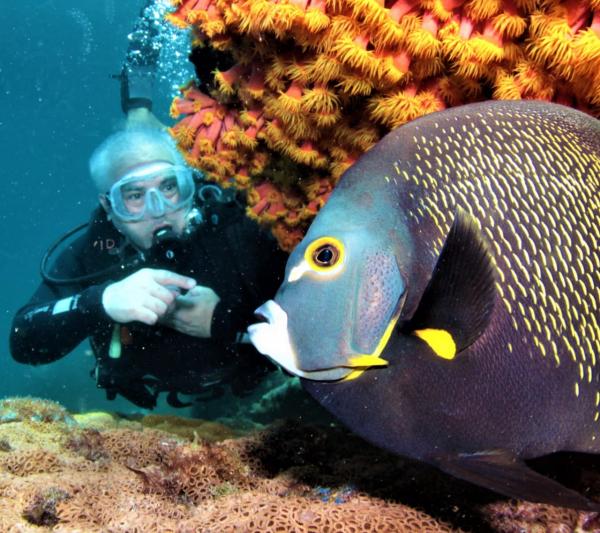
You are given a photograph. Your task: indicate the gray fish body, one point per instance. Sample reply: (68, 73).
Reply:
(486, 219)
(530, 174)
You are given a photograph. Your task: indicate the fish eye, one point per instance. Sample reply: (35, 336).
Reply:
(325, 254)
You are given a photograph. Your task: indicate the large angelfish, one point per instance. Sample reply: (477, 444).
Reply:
(445, 302)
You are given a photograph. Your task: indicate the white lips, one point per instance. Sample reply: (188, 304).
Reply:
(271, 338)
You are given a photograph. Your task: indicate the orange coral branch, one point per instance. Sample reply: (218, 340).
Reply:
(228, 78)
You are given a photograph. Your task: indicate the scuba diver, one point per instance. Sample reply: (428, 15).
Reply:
(165, 277)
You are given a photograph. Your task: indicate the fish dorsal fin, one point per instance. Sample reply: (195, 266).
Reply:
(504, 473)
(457, 304)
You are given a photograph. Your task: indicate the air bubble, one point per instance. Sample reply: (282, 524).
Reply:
(87, 31)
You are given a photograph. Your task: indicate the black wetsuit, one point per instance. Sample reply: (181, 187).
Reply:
(228, 253)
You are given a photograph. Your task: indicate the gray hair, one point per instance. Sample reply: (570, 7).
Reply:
(127, 148)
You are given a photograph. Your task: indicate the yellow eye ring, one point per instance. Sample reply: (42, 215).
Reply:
(325, 254)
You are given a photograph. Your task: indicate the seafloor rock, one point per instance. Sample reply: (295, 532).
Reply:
(189, 428)
(61, 476)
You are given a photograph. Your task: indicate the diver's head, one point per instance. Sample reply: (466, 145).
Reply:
(143, 183)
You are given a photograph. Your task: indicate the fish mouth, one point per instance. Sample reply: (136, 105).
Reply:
(271, 338)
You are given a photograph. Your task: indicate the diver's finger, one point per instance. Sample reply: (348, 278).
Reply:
(156, 305)
(164, 294)
(166, 277)
(144, 315)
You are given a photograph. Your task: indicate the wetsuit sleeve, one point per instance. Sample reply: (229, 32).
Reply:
(139, 69)
(261, 264)
(57, 318)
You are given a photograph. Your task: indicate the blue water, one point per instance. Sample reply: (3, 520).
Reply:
(57, 103)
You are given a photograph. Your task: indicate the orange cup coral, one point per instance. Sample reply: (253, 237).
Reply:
(317, 82)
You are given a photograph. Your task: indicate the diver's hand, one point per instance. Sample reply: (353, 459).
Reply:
(192, 313)
(144, 296)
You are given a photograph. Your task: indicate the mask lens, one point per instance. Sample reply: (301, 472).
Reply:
(152, 192)
(170, 189)
(131, 196)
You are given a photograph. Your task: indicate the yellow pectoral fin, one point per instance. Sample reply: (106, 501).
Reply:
(366, 360)
(361, 363)
(354, 374)
(439, 340)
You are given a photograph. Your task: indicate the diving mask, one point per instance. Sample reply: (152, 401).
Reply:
(152, 190)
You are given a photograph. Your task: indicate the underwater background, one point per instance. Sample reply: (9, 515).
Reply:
(57, 103)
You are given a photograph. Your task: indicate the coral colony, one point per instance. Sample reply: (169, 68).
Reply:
(101, 474)
(97, 473)
(316, 83)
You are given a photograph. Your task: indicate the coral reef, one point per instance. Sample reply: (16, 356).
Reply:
(291, 477)
(525, 516)
(189, 428)
(313, 84)
(27, 408)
